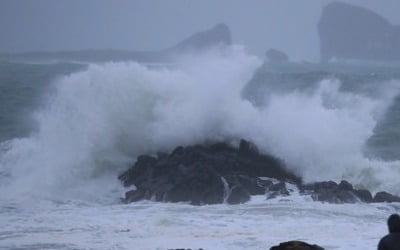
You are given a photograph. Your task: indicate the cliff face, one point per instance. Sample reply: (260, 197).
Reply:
(351, 32)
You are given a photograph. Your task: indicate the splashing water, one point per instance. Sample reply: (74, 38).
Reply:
(99, 120)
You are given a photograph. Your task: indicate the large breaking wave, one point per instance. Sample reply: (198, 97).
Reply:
(97, 121)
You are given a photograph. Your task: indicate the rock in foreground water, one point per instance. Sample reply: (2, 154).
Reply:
(204, 174)
(296, 245)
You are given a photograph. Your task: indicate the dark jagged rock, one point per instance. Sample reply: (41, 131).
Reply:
(276, 56)
(332, 192)
(296, 245)
(385, 197)
(364, 195)
(135, 195)
(351, 32)
(216, 173)
(278, 189)
(201, 174)
(238, 194)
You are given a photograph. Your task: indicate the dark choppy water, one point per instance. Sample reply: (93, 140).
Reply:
(23, 86)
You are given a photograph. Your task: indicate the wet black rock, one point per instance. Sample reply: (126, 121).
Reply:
(238, 194)
(204, 174)
(217, 173)
(330, 191)
(135, 195)
(296, 245)
(385, 197)
(278, 189)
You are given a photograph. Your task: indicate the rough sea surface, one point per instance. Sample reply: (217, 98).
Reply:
(68, 129)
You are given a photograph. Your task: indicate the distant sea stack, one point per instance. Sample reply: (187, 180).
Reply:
(217, 35)
(276, 56)
(351, 32)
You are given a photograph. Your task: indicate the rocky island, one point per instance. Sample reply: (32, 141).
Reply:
(351, 32)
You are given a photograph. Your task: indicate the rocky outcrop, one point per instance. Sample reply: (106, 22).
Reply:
(218, 173)
(276, 56)
(344, 192)
(385, 197)
(351, 32)
(296, 245)
(204, 175)
(330, 191)
(217, 35)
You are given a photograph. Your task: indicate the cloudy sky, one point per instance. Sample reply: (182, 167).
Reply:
(48, 25)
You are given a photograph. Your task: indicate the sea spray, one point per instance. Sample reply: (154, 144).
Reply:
(99, 120)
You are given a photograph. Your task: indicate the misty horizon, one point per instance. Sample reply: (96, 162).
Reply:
(155, 25)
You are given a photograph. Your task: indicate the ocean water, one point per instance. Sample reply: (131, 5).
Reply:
(68, 129)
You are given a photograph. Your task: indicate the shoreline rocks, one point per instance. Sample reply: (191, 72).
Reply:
(221, 173)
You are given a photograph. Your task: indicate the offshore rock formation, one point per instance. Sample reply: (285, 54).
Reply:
(351, 32)
(276, 56)
(218, 173)
(217, 35)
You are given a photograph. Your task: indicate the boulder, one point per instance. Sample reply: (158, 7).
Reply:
(351, 32)
(330, 191)
(296, 245)
(385, 197)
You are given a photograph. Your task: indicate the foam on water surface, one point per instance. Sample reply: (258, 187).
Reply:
(146, 225)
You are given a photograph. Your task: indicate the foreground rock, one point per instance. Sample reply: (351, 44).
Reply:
(296, 245)
(218, 173)
(204, 175)
(351, 32)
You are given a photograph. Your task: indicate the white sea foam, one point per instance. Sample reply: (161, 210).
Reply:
(149, 226)
(97, 121)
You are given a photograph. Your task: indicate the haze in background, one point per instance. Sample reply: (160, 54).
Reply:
(47, 25)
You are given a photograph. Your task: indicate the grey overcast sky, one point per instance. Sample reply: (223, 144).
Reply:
(49, 25)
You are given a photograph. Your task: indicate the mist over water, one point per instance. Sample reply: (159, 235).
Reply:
(96, 121)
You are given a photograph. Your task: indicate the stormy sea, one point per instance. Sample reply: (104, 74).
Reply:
(68, 129)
